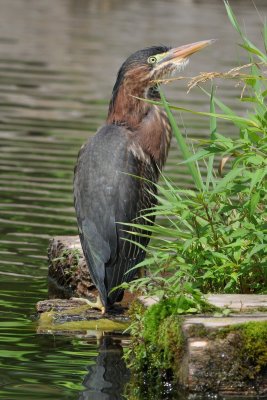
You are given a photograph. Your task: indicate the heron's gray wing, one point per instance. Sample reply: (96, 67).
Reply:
(107, 193)
(138, 194)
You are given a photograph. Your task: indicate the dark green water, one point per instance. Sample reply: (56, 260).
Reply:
(58, 61)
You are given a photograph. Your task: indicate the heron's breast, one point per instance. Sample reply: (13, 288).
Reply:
(153, 136)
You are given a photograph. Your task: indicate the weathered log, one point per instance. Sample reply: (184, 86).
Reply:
(68, 274)
(71, 316)
(69, 278)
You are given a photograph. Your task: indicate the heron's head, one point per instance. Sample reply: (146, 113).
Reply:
(140, 71)
(138, 75)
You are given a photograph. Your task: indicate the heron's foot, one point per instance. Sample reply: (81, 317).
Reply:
(93, 304)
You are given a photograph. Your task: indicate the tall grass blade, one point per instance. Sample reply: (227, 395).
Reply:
(182, 145)
(265, 36)
(232, 17)
(225, 109)
(213, 130)
(248, 45)
(254, 50)
(241, 122)
(232, 117)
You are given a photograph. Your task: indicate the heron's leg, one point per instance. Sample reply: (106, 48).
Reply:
(93, 304)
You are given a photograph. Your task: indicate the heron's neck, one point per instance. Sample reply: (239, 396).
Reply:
(126, 109)
(151, 131)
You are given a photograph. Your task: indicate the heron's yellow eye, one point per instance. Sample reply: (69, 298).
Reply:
(151, 60)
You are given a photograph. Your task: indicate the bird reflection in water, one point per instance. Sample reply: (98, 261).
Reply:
(107, 377)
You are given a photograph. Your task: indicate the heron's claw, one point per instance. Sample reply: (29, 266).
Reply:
(93, 304)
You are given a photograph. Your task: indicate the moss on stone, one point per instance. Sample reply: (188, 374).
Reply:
(158, 341)
(252, 350)
(136, 310)
(235, 356)
(255, 343)
(171, 342)
(197, 330)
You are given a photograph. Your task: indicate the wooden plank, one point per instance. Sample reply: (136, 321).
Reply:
(240, 302)
(219, 322)
(236, 302)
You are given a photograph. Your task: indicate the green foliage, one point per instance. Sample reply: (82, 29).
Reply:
(254, 336)
(69, 260)
(214, 239)
(73, 256)
(157, 345)
(161, 343)
(215, 236)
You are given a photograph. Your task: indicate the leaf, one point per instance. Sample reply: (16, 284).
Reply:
(197, 156)
(250, 100)
(213, 131)
(257, 249)
(254, 50)
(248, 45)
(239, 121)
(232, 17)
(254, 202)
(238, 233)
(191, 310)
(257, 178)
(265, 36)
(255, 159)
(229, 177)
(221, 256)
(182, 144)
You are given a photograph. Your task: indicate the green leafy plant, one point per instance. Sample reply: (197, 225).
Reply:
(215, 238)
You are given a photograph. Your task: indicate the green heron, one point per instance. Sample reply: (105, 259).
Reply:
(117, 168)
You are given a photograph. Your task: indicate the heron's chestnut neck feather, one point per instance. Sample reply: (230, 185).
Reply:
(125, 107)
(148, 125)
(133, 80)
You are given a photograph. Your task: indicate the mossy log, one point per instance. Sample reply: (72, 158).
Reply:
(68, 279)
(68, 274)
(74, 317)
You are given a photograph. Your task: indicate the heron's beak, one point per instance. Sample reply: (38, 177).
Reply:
(181, 53)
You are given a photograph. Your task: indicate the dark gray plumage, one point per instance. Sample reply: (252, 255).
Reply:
(103, 201)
